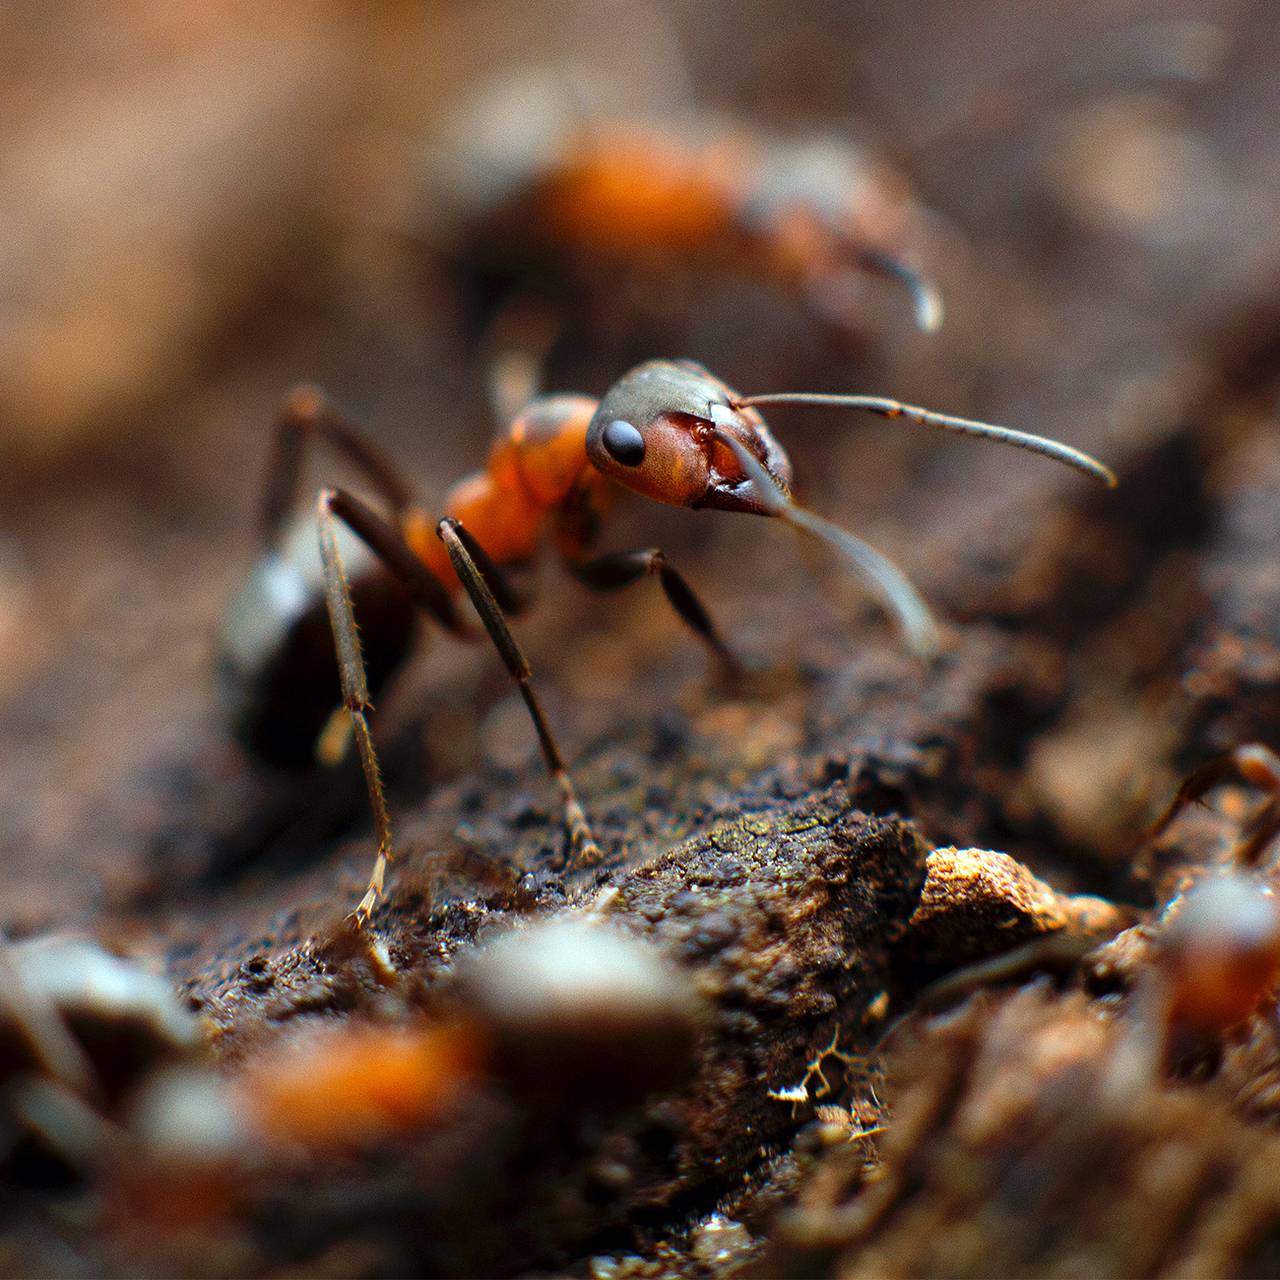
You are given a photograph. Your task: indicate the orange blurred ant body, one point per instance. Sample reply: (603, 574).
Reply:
(532, 193)
(669, 430)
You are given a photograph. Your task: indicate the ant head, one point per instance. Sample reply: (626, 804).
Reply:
(659, 430)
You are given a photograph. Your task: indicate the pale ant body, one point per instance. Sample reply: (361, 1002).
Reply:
(671, 431)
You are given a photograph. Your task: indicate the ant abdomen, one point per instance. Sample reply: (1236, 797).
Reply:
(276, 668)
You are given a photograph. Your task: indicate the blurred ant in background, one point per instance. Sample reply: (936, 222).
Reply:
(670, 431)
(1210, 960)
(1213, 954)
(580, 200)
(552, 208)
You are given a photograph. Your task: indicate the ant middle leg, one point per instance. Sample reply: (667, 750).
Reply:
(621, 569)
(484, 583)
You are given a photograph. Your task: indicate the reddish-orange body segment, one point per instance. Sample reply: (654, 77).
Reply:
(537, 465)
(633, 187)
(793, 213)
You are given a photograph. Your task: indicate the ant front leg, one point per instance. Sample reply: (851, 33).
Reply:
(612, 572)
(1259, 766)
(484, 583)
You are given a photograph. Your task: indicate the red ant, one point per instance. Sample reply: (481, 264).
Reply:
(536, 190)
(1222, 946)
(669, 430)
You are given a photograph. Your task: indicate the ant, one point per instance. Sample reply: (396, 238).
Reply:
(669, 430)
(528, 187)
(1216, 959)
(561, 178)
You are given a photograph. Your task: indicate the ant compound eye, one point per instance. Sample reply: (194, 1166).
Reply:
(624, 443)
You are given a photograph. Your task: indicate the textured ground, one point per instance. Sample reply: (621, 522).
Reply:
(1114, 261)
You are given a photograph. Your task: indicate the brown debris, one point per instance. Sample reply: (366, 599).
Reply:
(1016, 1150)
(978, 903)
(780, 926)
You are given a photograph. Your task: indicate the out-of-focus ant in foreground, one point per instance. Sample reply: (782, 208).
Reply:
(669, 430)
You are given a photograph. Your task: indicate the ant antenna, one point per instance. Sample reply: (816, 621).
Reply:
(926, 301)
(887, 408)
(879, 572)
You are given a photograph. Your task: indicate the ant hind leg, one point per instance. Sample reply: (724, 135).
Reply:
(355, 695)
(387, 542)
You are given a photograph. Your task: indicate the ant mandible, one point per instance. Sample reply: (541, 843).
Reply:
(669, 430)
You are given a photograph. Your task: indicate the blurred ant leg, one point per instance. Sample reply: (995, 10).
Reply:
(1258, 765)
(306, 415)
(39, 1022)
(472, 566)
(612, 572)
(515, 347)
(926, 301)
(1261, 830)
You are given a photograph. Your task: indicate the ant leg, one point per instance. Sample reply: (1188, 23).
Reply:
(1261, 830)
(473, 569)
(1259, 766)
(387, 542)
(514, 350)
(39, 1022)
(926, 301)
(612, 572)
(355, 695)
(307, 415)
